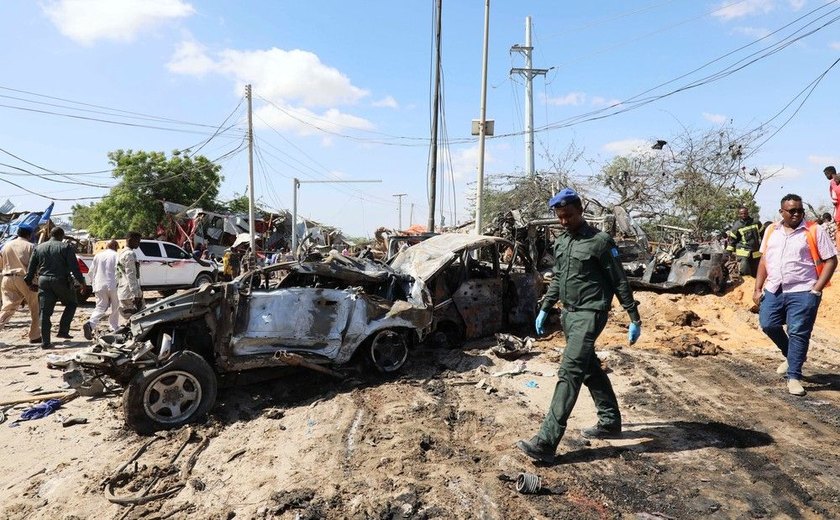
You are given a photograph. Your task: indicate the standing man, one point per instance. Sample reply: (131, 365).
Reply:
(128, 277)
(829, 226)
(103, 273)
(798, 262)
(830, 173)
(744, 241)
(587, 274)
(14, 261)
(56, 265)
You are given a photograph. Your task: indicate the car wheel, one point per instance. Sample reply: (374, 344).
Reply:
(180, 392)
(388, 350)
(202, 279)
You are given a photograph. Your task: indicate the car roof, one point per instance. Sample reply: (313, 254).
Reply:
(426, 259)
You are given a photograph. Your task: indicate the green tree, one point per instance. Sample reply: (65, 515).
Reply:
(238, 204)
(145, 180)
(82, 215)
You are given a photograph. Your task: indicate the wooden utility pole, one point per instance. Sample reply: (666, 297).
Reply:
(251, 213)
(433, 159)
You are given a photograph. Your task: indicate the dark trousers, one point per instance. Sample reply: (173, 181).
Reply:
(580, 366)
(748, 266)
(50, 291)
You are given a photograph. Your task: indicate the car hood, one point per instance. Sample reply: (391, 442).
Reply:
(426, 259)
(184, 305)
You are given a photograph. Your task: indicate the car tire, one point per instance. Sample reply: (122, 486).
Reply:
(202, 279)
(388, 350)
(180, 392)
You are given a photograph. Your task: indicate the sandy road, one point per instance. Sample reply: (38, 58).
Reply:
(706, 437)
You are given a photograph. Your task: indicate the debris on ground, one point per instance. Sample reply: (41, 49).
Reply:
(687, 318)
(512, 347)
(688, 345)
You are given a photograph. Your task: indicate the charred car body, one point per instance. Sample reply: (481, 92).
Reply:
(316, 314)
(479, 284)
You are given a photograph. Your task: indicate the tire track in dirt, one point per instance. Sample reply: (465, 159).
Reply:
(799, 480)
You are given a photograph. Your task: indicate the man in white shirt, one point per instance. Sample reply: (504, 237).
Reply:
(103, 273)
(128, 277)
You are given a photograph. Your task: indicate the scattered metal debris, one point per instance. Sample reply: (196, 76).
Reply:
(528, 483)
(512, 347)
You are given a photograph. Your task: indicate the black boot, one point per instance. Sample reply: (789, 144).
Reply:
(537, 450)
(601, 431)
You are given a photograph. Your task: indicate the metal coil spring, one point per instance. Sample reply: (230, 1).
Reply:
(528, 483)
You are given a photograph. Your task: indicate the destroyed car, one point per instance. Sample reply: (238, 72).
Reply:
(693, 268)
(479, 284)
(315, 315)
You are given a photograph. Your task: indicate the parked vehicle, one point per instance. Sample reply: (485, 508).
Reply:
(479, 284)
(314, 314)
(164, 267)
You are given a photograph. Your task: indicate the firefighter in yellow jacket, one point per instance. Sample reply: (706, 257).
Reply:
(745, 241)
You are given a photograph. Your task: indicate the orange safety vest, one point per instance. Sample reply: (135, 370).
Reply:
(811, 239)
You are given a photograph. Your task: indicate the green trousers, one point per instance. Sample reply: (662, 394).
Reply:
(50, 291)
(580, 366)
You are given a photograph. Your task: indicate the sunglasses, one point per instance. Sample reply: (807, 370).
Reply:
(794, 211)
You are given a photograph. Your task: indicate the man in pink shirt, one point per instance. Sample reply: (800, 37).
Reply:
(797, 261)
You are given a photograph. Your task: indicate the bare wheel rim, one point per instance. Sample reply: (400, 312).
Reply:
(389, 350)
(172, 397)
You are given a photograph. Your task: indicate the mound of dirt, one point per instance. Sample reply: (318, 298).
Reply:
(688, 345)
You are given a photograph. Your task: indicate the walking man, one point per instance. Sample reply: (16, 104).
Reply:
(103, 273)
(14, 261)
(128, 277)
(797, 263)
(587, 274)
(56, 265)
(744, 241)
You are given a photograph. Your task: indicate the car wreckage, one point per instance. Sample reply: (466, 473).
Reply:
(479, 284)
(172, 355)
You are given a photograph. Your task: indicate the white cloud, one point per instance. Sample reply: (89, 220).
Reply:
(386, 102)
(824, 160)
(780, 171)
(304, 121)
(599, 101)
(627, 146)
(717, 119)
(752, 32)
(465, 162)
(796, 5)
(191, 58)
(572, 98)
(835, 45)
(86, 21)
(730, 10)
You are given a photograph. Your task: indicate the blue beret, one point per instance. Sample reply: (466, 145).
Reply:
(564, 197)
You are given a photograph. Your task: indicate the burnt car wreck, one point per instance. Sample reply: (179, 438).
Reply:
(318, 315)
(479, 284)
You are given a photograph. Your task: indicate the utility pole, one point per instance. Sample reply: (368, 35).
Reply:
(529, 73)
(411, 215)
(295, 188)
(399, 204)
(433, 159)
(482, 123)
(251, 213)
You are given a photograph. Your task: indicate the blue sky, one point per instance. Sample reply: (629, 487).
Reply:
(361, 71)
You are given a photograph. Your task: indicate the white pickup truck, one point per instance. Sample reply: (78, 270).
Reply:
(164, 267)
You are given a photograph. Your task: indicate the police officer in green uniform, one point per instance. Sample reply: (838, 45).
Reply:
(745, 241)
(587, 273)
(55, 262)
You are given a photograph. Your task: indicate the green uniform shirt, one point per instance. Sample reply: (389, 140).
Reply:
(587, 273)
(55, 259)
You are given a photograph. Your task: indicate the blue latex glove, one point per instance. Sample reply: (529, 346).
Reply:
(540, 323)
(634, 332)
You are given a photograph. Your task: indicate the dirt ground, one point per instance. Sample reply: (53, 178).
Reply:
(710, 432)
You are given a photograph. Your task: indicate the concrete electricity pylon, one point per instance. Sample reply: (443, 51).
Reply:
(529, 73)
(399, 205)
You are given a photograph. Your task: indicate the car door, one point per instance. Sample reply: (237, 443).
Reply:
(479, 297)
(181, 268)
(294, 319)
(152, 264)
